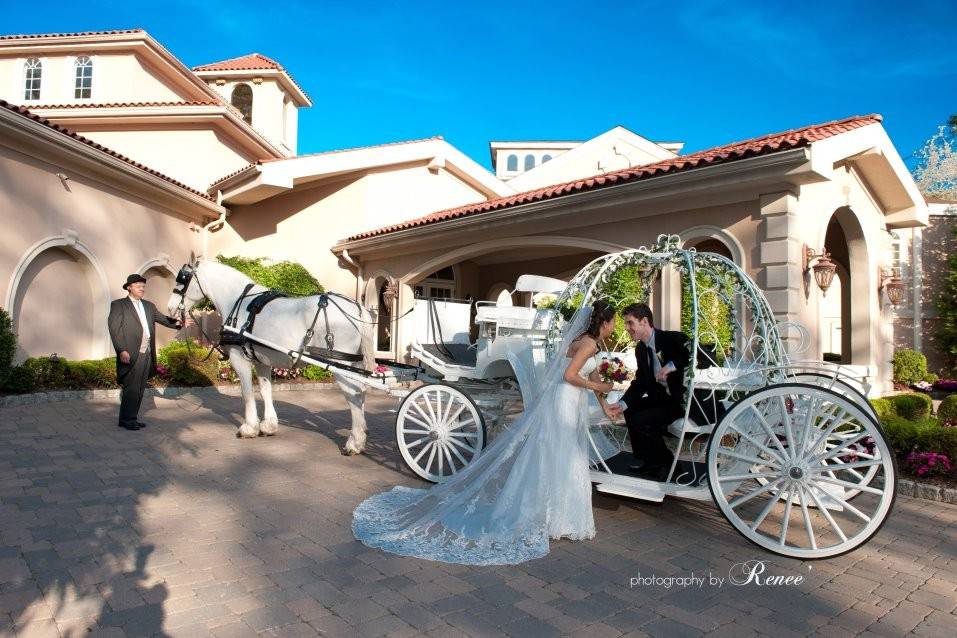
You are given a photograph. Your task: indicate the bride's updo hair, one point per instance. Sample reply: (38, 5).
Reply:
(601, 312)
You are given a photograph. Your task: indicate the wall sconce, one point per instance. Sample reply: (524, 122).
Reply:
(889, 280)
(823, 267)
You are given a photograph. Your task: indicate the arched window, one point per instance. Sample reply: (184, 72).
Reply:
(31, 73)
(529, 162)
(545, 158)
(242, 99)
(512, 164)
(83, 87)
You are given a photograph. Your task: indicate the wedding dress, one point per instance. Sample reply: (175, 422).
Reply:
(530, 484)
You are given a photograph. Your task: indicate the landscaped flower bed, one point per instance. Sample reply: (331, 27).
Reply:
(925, 444)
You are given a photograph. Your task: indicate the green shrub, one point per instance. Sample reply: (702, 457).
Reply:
(8, 346)
(99, 373)
(947, 411)
(930, 377)
(714, 293)
(912, 405)
(924, 435)
(910, 366)
(20, 380)
(316, 373)
(186, 366)
(287, 276)
(884, 408)
(48, 374)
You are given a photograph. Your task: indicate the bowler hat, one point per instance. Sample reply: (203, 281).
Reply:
(134, 279)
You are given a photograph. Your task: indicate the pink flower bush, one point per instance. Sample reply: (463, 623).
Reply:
(162, 371)
(946, 385)
(381, 369)
(926, 464)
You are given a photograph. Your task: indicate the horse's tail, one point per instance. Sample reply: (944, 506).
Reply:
(367, 330)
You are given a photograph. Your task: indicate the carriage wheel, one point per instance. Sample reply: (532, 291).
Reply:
(439, 430)
(783, 462)
(845, 388)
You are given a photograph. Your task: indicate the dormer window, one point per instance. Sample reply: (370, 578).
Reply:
(83, 85)
(512, 163)
(545, 158)
(242, 99)
(32, 71)
(529, 162)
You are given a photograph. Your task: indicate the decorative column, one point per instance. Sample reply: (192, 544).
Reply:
(779, 268)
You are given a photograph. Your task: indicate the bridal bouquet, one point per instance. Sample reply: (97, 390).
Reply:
(614, 371)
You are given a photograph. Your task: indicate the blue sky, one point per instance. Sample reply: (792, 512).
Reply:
(701, 72)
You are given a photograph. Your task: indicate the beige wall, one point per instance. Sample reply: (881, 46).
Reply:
(195, 156)
(117, 77)
(303, 225)
(271, 116)
(67, 248)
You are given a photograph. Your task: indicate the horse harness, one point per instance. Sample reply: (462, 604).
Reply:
(256, 306)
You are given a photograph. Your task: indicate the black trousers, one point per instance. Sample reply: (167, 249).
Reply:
(647, 423)
(134, 384)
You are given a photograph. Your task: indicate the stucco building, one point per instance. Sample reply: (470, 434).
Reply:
(118, 157)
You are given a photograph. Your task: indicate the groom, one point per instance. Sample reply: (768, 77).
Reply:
(656, 396)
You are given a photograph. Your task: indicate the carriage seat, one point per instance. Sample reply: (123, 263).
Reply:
(504, 313)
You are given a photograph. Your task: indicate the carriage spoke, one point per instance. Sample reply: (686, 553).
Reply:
(440, 448)
(844, 504)
(464, 435)
(837, 450)
(462, 424)
(455, 451)
(464, 446)
(418, 422)
(758, 444)
(748, 459)
(452, 418)
(744, 477)
(788, 433)
(847, 466)
(849, 485)
(827, 434)
(415, 404)
(428, 406)
(758, 492)
(425, 448)
(770, 431)
(417, 442)
(756, 523)
(807, 425)
(445, 449)
(787, 519)
(807, 518)
(428, 464)
(827, 515)
(408, 431)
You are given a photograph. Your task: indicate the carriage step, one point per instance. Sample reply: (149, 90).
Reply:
(631, 492)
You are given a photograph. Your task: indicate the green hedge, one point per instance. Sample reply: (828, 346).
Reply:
(714, 311)
(315, 373)
(912, 405)
(8, 346)
(186, 366)
(910, 367)
(923, 435)
(884, 408)
(44, 373)
(287, 276)
(947, 411)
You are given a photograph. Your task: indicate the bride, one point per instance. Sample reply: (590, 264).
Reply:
(531, 483)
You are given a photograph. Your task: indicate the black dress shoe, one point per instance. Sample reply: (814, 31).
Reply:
(141, 424)
(655, 472)
(638, 465)
(129, 426)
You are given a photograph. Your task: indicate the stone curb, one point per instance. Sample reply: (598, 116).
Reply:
(114, 393)
(926, 491)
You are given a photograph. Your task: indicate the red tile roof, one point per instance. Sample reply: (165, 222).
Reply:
(250, 62)
(23, 112)
(341, 150)
(764, 145)
(242, 63)
(79, 34)
(120, 105)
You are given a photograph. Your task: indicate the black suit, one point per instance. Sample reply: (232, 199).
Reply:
(650, 407)
(126, 332)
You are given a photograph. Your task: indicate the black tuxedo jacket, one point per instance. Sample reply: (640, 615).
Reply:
(671, 346)
(126, 332)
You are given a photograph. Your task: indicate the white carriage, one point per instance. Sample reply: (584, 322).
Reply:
(791, 452)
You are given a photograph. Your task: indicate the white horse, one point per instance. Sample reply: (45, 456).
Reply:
(283, 321)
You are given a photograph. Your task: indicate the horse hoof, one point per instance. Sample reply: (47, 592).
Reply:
(347, 451)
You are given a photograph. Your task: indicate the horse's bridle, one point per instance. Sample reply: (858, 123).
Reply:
(184, 277)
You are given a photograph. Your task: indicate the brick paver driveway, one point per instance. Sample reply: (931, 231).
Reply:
(182, 529)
